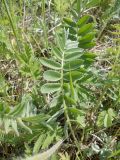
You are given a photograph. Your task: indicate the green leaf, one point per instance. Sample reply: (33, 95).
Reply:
(87, 45)
(66, 87)
(81, 121)
(101, 117)
(50, 63)
(47, 154)
(47, 126)
(38, 143)
(84, 91)
(109, 117)
(72, 37)
(92, 3)
(88, 62)
(48, 140)
(14, 126)
(50, 87)
(6, 124)
(23, 58)
(83, 20)
(17, 110)
(85, 78)
(73, 50)
(56, 52)
(51, 75)
(72, 31)
(60, 41)
(87, 38)
(74, 13)
(111, 113)
(85, 29)
(88, 55)
(20, 122)
(79, 6)
(70, 100)
(73, 56)
(37, 118)
(72, 65)
(107, 121)
(69, 22)
(76, 75)
(76, 111)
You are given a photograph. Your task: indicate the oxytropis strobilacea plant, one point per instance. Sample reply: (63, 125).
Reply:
(69, 71)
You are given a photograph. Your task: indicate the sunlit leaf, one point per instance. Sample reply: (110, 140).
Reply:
(38, 143)
(69, 22)
(85, 29)
(51, 75)
(83, 20)
(72, 65)
(50, 63)
(50, 87)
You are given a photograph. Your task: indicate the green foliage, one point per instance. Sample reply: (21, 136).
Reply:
(82, 31)
(58, 80)
(29, 65)
(62, 6)
(105, 118)
(70, 65)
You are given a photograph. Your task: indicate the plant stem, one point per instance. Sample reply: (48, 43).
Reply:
(78, 7)
(44, 24)
(72, 132)
(11, 22)
(66, 109)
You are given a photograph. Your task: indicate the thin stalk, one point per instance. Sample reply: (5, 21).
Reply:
(11, 22)
(72, 132)
(78, 7)
(24, 12)
(66, 110)
(44, 24)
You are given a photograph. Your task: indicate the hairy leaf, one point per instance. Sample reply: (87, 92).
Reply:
(72, 65)
(50, 87)
(51, 75)
(50, 63)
